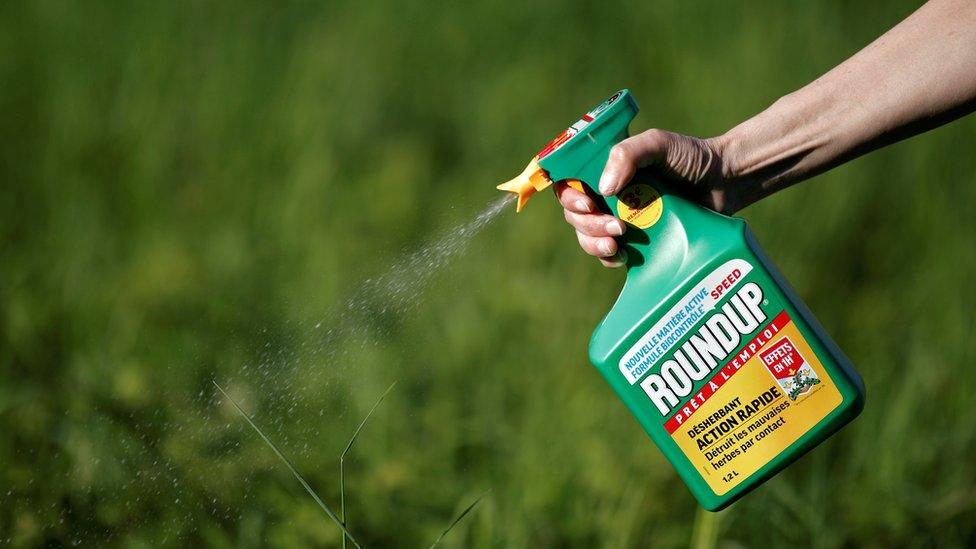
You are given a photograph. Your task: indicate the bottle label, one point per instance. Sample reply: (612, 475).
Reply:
(730, 377)
(640, 205)
(577, 127)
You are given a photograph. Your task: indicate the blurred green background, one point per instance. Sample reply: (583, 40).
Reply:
(192, 191)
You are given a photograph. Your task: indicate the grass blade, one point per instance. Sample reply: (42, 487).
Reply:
(362, 423)
(291, 467)
(342, 456)
(705, 532)
(457, 520)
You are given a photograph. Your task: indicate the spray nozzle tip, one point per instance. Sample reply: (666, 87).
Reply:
(532, 180)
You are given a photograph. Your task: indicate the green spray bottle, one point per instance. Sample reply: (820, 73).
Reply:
(709, 347)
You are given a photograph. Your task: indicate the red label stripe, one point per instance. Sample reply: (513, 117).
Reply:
(726, 372)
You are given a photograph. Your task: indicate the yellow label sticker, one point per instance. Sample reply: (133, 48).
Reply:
(640, 205)
(755, 407)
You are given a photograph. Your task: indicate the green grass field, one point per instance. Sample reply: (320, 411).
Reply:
(192, 191)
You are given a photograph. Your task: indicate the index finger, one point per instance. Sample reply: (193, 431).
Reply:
(573, 200)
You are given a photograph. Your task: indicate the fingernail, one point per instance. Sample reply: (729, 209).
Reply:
(615, 227)
(620, 259)
(605, 247)
(582, 206)
(607, 181)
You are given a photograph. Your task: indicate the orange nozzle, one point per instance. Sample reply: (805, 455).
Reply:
(532, 180)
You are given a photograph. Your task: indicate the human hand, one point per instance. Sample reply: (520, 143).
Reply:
(695, 165)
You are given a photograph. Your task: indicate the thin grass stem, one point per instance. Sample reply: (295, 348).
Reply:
(457, 520)
(342, 457)
(705, 532)
(291, 467)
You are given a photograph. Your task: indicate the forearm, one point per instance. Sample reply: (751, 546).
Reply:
(920, 74)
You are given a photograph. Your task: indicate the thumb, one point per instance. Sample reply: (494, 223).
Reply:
(626, 157)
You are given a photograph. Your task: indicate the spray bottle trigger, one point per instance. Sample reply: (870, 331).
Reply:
(576, 184)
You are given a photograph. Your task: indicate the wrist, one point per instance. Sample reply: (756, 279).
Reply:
(726, 195)
(758, 155)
